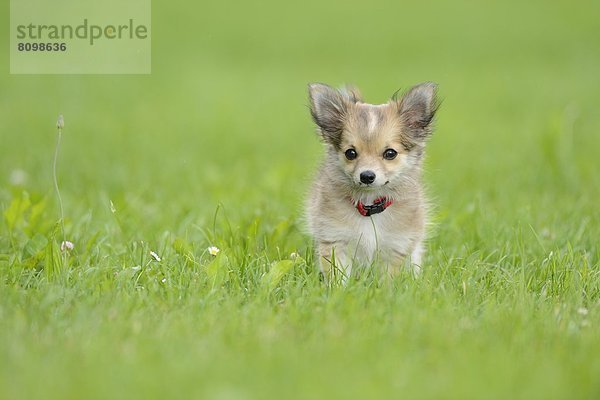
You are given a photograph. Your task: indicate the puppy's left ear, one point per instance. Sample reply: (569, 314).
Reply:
(417, 110)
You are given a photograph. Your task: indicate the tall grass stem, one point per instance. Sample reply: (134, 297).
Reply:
(60, 123)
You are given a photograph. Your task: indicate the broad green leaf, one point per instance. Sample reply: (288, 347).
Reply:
(37, 210)
(16, 210)
(52, 262)
(218, 270)
(276, 273)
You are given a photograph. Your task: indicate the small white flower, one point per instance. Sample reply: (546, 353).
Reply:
(163, 280)
(66, 246)
(155, 256)
(582, 311)
(18, 177)
(294, 255)
(213, 250)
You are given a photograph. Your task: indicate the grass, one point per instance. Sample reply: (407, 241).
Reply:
(216, 148)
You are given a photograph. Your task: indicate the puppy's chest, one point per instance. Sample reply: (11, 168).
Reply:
(380, 233)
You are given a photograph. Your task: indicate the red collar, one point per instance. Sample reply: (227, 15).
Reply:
(379, 205)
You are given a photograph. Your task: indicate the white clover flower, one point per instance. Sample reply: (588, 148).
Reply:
(66, 246)
(155, 256)
(213, 250)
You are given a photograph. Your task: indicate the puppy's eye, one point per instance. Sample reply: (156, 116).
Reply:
(351, 154)
(390, 154)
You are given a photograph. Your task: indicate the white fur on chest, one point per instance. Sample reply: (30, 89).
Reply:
(378, 234)
(384, 234)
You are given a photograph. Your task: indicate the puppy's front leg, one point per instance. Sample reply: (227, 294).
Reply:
(416, 258)
(399, 262)
(334, 261)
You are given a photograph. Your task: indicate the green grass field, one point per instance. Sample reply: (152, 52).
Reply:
(216, 148)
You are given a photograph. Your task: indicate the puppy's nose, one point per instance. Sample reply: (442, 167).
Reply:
(367, 177)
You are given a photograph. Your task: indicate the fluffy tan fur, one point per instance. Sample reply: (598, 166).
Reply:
(393, 238)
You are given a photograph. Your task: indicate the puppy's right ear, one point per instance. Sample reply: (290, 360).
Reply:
(329, 108)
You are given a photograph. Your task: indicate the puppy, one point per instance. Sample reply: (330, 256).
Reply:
(367, 206)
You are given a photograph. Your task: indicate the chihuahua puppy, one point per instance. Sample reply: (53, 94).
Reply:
(367, 206)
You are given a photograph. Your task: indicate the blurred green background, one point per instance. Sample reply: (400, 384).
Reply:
(512, 171)
(224, 114)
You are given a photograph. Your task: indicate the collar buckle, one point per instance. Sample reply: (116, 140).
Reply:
(377, 207)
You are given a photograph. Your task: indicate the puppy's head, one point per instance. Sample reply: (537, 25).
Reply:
(373, 145)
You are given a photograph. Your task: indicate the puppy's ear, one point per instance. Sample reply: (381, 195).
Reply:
(329, 109)
(417, 109)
